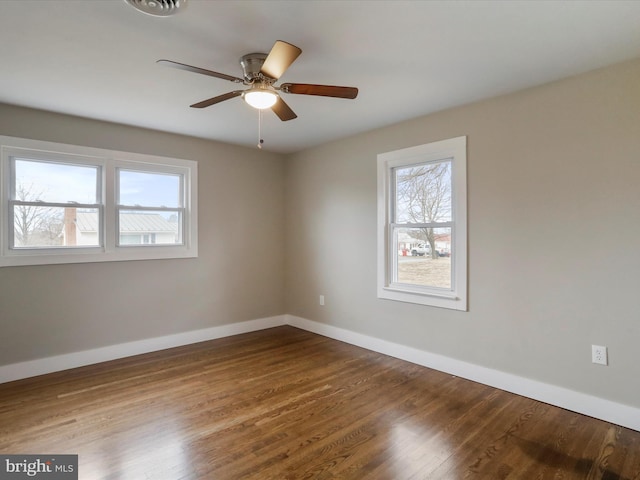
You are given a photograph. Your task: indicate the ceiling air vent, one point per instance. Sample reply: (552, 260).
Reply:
(158, 8)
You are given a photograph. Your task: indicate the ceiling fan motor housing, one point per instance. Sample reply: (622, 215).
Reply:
(251, 65)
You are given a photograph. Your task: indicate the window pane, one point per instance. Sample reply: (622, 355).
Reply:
(55, 182)
(423, 193)
(149, 189)
(147, 228)
(44, 227)
(424, 256)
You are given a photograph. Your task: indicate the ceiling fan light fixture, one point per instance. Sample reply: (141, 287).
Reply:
(260, 97)
(158, 8)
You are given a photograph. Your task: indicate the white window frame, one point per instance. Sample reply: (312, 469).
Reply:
(455, 150)
(108, 161)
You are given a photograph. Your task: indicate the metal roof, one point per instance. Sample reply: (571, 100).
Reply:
(129, 223)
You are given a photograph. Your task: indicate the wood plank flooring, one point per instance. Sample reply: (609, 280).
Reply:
(288, 404)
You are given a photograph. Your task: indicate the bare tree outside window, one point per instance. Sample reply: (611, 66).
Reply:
(423, 196)
(35, 225)
(423, 219)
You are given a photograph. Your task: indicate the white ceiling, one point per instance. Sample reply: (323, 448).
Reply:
(96, 58)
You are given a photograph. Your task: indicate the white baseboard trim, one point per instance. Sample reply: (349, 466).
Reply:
(57, 363)
(585, 404)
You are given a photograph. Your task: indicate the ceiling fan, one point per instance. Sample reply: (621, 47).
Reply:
(260, 72)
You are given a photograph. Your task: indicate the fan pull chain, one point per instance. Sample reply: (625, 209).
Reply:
(260, 140)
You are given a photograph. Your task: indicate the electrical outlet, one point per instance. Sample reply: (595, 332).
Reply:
(322, 300)
(599, 354)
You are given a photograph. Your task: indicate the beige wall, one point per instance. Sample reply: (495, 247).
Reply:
(57, 309)
(553, 249)
(554, 223)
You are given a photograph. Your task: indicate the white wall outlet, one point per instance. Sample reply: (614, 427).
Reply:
(599, 354)
(322, 300)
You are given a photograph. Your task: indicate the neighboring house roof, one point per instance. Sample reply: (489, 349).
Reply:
(129, 223)
(405, 237)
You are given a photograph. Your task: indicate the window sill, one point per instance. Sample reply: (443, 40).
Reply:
(421, 297)
(96, 255)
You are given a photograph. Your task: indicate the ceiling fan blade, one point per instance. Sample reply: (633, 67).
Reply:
(202, 71)
(281, 56)
(321, 90)
(218, 99)
(283, 111)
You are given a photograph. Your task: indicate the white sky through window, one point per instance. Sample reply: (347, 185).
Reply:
(56, 182)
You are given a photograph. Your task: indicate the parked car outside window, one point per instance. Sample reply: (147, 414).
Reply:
(421, 249)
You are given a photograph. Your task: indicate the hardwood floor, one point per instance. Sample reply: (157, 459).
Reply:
(287, 404)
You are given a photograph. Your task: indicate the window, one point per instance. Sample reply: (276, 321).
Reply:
(44, 195)
(150, 208)
(68, 204)
(422, 240)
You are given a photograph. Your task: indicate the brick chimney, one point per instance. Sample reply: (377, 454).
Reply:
(70, 226)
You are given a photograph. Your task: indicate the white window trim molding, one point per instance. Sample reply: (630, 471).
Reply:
(109, 160)
(455, 149)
